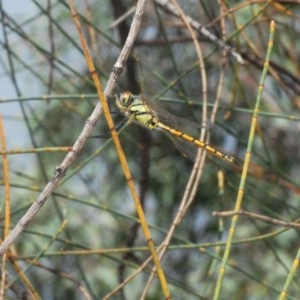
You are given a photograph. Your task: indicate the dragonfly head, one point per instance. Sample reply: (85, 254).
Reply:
(123, 100)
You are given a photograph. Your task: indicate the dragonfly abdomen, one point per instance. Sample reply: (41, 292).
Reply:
(197, 142)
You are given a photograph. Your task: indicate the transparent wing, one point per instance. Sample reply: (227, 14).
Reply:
(170, 119)
(187, 149)
(184, 140)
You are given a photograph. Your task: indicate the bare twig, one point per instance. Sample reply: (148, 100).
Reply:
(195, 176)
(86, 131)
(172, 9)
(226, 214)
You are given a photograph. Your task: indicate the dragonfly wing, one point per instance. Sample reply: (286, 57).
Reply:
(187, 149)
(168, 118)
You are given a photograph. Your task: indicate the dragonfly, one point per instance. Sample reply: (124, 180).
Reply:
(136, 109)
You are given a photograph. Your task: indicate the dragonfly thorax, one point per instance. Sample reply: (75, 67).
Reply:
(135, 109)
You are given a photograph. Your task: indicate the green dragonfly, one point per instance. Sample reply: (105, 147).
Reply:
(134, 108)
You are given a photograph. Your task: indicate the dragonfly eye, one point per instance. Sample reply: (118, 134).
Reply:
(123, 100)
(126, 98)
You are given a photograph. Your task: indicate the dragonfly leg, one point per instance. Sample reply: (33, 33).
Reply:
(107, 135)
